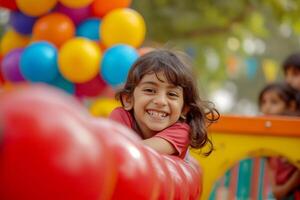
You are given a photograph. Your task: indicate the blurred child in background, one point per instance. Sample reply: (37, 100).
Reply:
(291, 69)
(281, 99)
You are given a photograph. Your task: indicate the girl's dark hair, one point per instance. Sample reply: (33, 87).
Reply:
(201, 113)
(292, 61)
(284, 91)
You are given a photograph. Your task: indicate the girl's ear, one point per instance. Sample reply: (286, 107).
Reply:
(127, 101)
(184, 112)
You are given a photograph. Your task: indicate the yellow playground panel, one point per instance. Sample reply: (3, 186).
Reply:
(237, 137)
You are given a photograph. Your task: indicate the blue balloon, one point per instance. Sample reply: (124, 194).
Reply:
(38, 62)
(63, 84)
(22, 23)
(89, 29)
(116, 63)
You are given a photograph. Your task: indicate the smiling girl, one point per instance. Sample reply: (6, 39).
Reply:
(161, 103)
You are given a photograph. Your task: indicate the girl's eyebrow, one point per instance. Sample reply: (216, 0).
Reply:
(171, 86)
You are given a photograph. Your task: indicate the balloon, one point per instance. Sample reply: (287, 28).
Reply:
(108, 92)
(136, 178)
(102, 7)
(76, 4)
(1, 79)
(9, 4)
(56, 28)
(21, 22)
(181, 187)
(198, 174)
(89, 29)
(90, 88)
(38, 62)
(166, 183)
(1, 76)
(143, 50)
(63, 84)
(116, 63)
(76, 14)
(79, 60)
(35, 7)
(48, 152)
(103, 107)
(10, 66)
(192, 179)
(123, 26)
(12, 40)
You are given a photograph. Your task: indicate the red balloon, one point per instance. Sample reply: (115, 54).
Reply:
(47, 151)
(9, 4)
(166, 183)
(91, 88)
(180, 180)
(101, 7)
(136, 178)
(192, 178)
(1, 76)
(198, 173)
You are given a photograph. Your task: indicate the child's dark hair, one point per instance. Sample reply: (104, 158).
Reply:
(200, 114)
(285, 92)
(292, 61)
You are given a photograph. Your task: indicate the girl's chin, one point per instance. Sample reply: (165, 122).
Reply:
(157, 128)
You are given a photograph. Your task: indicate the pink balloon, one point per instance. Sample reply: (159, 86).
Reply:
(91, 88)
(76, 14)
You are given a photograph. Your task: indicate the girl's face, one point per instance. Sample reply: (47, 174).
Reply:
(157, 104)
(272, 104)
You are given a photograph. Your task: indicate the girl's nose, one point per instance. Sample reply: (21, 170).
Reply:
(160, 99)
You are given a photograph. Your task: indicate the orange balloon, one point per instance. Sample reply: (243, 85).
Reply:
(143, 50)
(102, 7)
(55, 28)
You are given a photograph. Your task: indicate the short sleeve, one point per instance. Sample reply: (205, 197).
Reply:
(178, 136)
(121, 116)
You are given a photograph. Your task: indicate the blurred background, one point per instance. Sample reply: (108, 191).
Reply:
(237, 45)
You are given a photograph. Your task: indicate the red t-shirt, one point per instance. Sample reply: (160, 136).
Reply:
(177, 134)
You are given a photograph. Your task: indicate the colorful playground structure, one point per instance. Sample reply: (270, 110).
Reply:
(239, 137)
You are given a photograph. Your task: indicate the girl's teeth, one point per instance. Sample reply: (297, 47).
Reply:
(157, 114)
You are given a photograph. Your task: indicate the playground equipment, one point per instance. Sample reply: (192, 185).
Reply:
(239, 137)
(52, 148)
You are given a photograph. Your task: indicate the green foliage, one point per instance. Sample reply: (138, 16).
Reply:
(202, 25)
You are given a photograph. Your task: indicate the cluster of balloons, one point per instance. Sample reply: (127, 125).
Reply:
(52, 149)
(81, 46)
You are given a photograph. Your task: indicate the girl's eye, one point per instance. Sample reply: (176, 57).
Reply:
(173, 94)
(149, 90)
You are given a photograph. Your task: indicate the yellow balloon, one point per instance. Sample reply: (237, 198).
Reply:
(79, 60)
(35, 7)
(103, 107)
(76, 3)
(12, 40)
(123, 26)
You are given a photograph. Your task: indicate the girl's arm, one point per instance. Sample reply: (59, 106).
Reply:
(281, 191)
(160, 145)
(173, 140)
